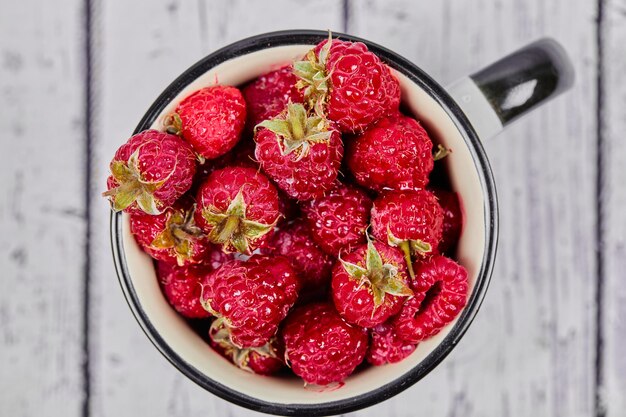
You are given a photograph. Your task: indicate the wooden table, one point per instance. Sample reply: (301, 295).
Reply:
(75, 77)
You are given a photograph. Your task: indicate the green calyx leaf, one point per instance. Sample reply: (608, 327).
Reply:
(409, 248)
(441, 152)
(420, 247)
(221, 335)
(173, 124)
(232, 229)
(382, 278)
(206, 304)
(179, 234)
(314, 77)
(297, 131)
(132, 187)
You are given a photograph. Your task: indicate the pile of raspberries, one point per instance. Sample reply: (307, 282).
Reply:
(296, 217)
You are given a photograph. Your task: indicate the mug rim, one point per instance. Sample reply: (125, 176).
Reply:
(474, 145)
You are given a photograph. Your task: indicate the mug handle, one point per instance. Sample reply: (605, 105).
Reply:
(511, 87)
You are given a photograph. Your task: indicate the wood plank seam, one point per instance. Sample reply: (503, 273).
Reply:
(600, 405)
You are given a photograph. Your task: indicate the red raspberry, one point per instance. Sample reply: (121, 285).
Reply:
(440, 288)
(352, 85)
(338, 220)
(386, 346)
(210, 119)
(237, 209)
(395, 153)
(370, 284)
(182, 288)
(150, 172)
(301, 153)
(452, 219)
(171, 236)
(412, 220)
(264, 360)
(320, 346)
(251, 297)
(268, 95)
(311, 264)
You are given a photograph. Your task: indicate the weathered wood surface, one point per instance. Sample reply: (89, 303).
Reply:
(130, 376)
(42, 216)
(613, 194)
(532, 348)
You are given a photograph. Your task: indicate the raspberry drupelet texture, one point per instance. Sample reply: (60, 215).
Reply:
(386, 346)
(182, 288)
(312, 265)
(251, 297)
(414, 217)
(320, 346)
(264, 360)
(302, 153)
(171, 236)
(350, 84)
(395, 153)
(150, 172)
(370, 284)
(268, 95)
(440, 288)
(210, 119)
(338, 220)
(237, 207)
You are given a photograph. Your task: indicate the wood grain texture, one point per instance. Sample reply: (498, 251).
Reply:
(613, 195)
(531, 348)
(130, 376)
(42, 218)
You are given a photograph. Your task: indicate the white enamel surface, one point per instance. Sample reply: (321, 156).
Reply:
(193, 350)
(476, 107)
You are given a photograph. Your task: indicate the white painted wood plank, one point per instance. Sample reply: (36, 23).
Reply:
(42, 219)
(614, 200)
(531, 348)
(145, 45)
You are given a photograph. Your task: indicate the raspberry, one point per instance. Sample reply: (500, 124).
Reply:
(237, 209)
(338, 220)
(408, 219)
(352, 85)
(370, 284)
(320, 347)
(386, 346)
(150, 172)
(301, 153)
(268, 95)
(182, 288)
(395, 153)
(440, 288)
(263, 360)
(210, 119)
(171, 236)
(251, 297)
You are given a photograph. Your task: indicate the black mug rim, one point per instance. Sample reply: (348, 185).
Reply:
(419, 77)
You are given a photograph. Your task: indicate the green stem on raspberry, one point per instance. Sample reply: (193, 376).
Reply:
(230, 226)
(406, 250)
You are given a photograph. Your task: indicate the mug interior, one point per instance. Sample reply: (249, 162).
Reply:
(190, 353)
